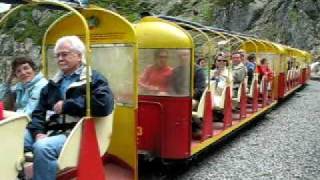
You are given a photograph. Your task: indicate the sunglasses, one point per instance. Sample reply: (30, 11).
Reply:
(220, 60)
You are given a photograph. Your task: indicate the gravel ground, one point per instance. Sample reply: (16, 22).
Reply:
(285, 144)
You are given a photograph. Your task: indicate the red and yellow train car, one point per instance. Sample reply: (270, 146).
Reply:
(151, 69)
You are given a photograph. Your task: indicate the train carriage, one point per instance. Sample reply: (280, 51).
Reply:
(164, 117)
(109, 39)
(265, 93)
(151, 69)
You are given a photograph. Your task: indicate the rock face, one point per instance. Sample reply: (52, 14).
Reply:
(21, 35)
(292, 22)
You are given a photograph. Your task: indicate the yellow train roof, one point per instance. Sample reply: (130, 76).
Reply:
(154, 32)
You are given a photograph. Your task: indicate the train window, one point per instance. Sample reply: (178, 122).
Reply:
(52, 66)
(115, 62)
(165, 72)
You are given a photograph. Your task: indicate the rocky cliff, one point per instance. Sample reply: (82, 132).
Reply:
(292, 22)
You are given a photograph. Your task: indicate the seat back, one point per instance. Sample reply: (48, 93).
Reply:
(251, 87)
(263, 83)
(239, 92)
(70, 152)
(200, 109)
(297, 73)
(218, 95)
(12, 130)
(289, 75)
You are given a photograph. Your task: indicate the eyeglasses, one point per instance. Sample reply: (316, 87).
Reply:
(221, 60)
(162, 57)
(63, 54)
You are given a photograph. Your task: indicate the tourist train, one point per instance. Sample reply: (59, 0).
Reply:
(150, 120)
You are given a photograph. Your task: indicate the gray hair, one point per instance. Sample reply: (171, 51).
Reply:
(75, 43)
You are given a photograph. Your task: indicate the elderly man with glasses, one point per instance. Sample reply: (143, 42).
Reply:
(62, 103)
(239, 72)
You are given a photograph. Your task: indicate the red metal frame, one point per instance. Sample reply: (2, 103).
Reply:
(255, 97)
(107, 158)
(1, 111)
(169, 127)
(151, 125)
(89, 154)
(264, 94)
(207, 127)
(227, 120)
(303, 76)
(243, 102)
(281, 85)
(90, 165)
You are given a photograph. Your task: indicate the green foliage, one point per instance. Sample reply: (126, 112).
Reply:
(207, 12)
(22, 24)
(229, 2)
(128, 8)
(294, 15)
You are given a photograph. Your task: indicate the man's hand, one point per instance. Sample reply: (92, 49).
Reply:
(58, 107)
(40, 136)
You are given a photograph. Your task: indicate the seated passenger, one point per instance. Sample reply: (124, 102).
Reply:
(179, 79)
(181, 85)
(251, 67)
(220, 72)
(264, 70)
(243, 56)
(219, 76)
(202, 62)
(62, 103)
(238, 72)
(155, 78)
(29, 84)
(204, 65)
(199, 84)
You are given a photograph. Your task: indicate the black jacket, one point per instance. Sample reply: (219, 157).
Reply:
(102, 103)
(199, 82)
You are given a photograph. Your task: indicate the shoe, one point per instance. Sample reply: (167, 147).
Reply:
(196, 134)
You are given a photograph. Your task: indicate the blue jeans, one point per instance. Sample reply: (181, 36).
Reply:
(46, 152)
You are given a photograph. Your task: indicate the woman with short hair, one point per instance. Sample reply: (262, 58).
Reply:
(29, 84)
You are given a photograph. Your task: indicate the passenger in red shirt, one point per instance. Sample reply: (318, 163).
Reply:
(155, 78)
(264, 70)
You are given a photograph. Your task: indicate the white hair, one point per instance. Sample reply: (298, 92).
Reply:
(75, 44)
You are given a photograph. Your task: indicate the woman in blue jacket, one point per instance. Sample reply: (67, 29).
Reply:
(30, 83)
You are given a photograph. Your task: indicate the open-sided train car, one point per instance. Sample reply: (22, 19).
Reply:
(165, 129)
(112, 140)
(154, 106)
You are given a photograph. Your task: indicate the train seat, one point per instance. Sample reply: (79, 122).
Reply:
(289, 75)
(70, 151)
(12, 130)
(237, 99)
(218, 94)
(297, 74)
(264, 81)
(250, 92)
(200, 109)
